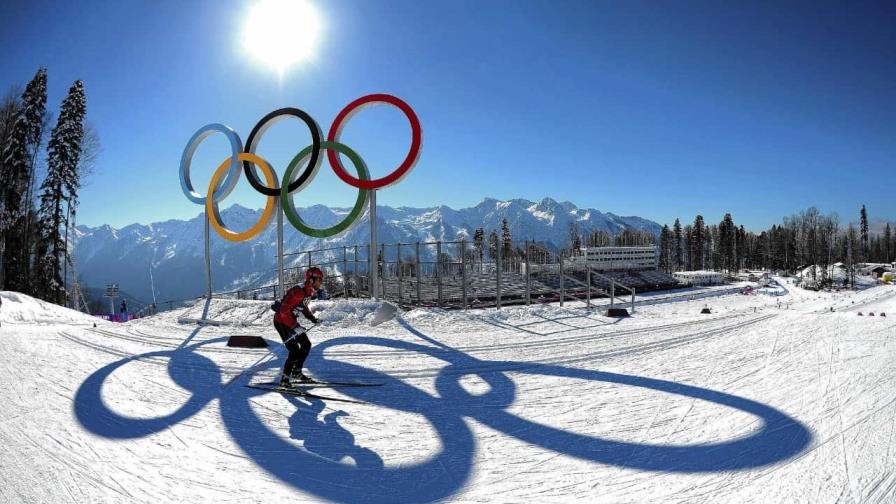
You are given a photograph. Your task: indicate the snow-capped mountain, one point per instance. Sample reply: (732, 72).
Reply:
(173, 252)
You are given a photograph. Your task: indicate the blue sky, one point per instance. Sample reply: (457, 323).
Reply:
(656, 109)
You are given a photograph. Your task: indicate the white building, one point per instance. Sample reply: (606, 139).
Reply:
(622, 258)
(699, 277)
(606, 259)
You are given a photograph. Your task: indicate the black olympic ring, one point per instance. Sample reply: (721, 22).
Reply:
(258, 131)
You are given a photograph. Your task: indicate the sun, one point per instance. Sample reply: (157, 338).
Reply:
(281, 33)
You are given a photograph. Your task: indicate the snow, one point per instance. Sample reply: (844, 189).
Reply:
(541, 215)
(19, 308)
(766, 399)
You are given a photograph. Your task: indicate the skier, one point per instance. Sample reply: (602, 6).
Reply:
(290, 331)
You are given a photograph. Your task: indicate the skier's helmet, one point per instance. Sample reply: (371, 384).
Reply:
(312, 273)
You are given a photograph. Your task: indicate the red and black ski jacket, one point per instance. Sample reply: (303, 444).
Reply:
(296, 297)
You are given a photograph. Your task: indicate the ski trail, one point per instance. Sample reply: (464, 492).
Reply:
(892, 429)
(848, 484)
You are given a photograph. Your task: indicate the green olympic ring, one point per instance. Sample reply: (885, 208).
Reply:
(286, 199)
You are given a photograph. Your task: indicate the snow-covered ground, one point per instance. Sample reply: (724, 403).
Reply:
(770, 398)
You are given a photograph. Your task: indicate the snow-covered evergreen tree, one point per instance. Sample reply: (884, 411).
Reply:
(506, 238)
(17, 161)
(698, 239)
(665, 248)
(679, 257)
(59, 192)
(478, 242)
(493, 244)
(598, 238)
(575, 237)
(727, 242)
(887, 239)
(863, 228)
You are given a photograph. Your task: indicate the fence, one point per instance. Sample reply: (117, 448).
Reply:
(346, 269)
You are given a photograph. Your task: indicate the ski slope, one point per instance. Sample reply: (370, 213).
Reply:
(766, 399)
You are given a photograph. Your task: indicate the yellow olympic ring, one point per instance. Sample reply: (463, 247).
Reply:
(211, 206)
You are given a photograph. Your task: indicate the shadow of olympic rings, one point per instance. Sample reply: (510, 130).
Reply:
(187, 369)
(778, 438)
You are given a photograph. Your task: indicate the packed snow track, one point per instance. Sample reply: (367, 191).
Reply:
(769, 398)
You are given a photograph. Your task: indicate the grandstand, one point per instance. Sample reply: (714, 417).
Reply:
(464, 278)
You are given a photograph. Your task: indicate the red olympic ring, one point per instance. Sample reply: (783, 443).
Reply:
(403, 169)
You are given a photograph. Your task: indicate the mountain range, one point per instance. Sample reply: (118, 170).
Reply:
(165, 260)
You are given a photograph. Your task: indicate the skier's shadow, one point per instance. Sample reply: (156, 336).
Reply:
(325, 437)
(332, 465)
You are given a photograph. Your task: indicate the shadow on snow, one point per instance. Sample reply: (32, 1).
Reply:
(318, 466)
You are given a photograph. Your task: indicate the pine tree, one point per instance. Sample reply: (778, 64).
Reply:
(506, 239)
(665, 248)
(727, 242)
(697, 241)
(863, 228)
(679, 262)
(59, 192)
(17, 162)
(575, 237)
(9, 113)
(9, 110)
(598, 238)
(761, 254)
(887, 239)
(478, 241)
(740, 248)
(852, 251)
(711, 255)
(689, 246)
(493, 244)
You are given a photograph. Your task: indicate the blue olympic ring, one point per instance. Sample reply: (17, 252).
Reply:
(233, 174)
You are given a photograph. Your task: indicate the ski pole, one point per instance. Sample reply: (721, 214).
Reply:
(267, 354)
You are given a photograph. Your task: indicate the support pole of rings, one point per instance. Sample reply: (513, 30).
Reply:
(208, 259)
(373, 260)
(280, 280)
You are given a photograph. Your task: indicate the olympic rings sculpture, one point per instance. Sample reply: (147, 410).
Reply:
(228, 172)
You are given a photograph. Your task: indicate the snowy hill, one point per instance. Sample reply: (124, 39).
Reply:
(174, 248)
(767, 399)
(21, 309)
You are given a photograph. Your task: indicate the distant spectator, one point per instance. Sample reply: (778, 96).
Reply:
(123, 316)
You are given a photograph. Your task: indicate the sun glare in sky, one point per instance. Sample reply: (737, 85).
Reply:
(281, 33)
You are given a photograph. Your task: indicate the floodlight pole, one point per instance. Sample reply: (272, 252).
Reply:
(373, 263)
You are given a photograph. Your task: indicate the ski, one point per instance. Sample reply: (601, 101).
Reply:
(319, 383)
(322, 383)
(300, 393)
